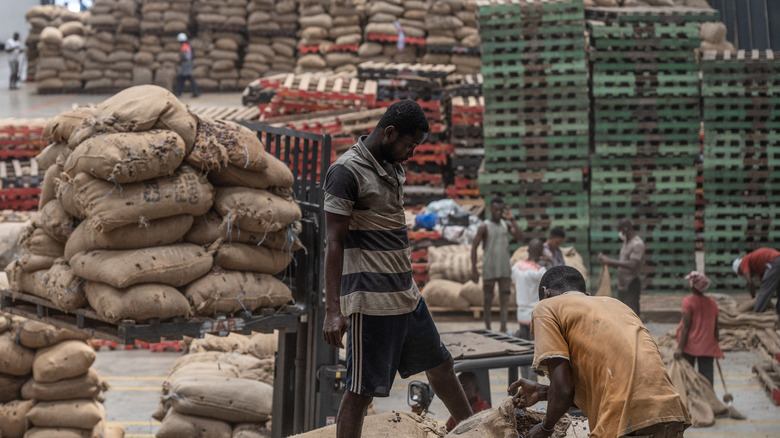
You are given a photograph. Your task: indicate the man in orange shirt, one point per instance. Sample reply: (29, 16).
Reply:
(765, 263)
(600, 357)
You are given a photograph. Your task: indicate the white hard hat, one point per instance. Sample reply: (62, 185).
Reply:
(735, 265)
(182, 37)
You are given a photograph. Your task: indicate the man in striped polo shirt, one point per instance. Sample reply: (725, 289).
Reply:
(368, 273)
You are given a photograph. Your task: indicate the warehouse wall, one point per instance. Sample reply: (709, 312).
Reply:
(12, 18)
(752, 24)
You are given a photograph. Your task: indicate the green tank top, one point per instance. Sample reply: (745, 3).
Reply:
(495, 259)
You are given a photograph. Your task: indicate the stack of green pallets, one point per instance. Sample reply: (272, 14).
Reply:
(536, 113)
(646, 123)
(741, 99)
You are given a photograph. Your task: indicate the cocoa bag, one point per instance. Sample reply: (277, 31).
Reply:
(232, 291)
(219, 143)
(177, 425)
(210, 227)
(256, 210)
(63, 288)
(86, 386)
(36, 334)
(55, 221)
(11, 387)
(77, 414)
(60, 128)
(277, 174)
(139, 303)
(243, 257)
(62, 361)
(50, 154)
(222, 398)
(444, 293)
(49, 185)
(15, 360)
(13, 418)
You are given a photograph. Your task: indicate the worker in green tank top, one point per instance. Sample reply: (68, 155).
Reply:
(493, 234)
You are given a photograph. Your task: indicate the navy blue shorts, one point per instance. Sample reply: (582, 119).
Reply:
(380, 346)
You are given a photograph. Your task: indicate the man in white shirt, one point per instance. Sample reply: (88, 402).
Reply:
(14, 49)
(526, 275)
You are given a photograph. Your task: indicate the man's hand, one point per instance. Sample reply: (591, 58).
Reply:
(475, 276)
(678, 354)
(604, 259)
(537, 432)
(527, 393)
(333, 328)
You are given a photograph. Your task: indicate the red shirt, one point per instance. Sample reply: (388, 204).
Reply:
(478, 406)
(701, 336)
(755, 262)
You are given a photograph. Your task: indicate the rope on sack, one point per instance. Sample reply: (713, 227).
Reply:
(246, 312)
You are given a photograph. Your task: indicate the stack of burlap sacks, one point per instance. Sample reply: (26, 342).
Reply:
(324, 24)
(47, 385)
(161, 21)
(223, 388)
(713, 37)
(217, 45)
(388, 17)
(271, 26)
(51, 62)
(39, 18)
(639, 3)
(453, 23)
(111, 45)
(127, 216)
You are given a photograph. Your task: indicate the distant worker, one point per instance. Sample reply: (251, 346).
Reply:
(765, 263)
(553, 256)
(470, 386)
(186, 67)
(526, 275)
(697, 334)
(14, 49)
(601, 358)
(630, 264)
(493, 234)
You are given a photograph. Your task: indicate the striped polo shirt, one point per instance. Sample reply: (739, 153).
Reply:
(377, 274)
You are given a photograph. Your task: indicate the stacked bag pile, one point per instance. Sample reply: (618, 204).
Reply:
(47, 385)
(223, 388)
(50, 62)
(111, 45)
(74, 52)
(322, 24)
(217, 47)
(640, 3)
(39, 18)
(386, 20)
(161, 21)
(453, 36)
(271, 26)
(131, 224)
(713, 37)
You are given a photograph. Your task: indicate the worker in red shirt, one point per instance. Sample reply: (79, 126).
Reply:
(697, 334)
(469, 382)
(765, 263)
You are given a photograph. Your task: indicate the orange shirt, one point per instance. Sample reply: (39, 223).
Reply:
(620, 381)
(755, 262)
(701, 336)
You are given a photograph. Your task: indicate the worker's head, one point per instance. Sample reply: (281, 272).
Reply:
(402, 128)
(16, 36)
(736, 264)
(697, 282)
(468, 381)
(182, 37)
(535, 249)
(625, 228)
(559, 280)
(497, 207)
(556, 238)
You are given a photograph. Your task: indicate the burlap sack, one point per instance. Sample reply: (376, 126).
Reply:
(312, 61)
(49, 185)
(64, 288)
(453, 267)
(13, 418)
(243, 257)
(72, 28)
(127, 157)
(212, 356)
(15, 360)
(6, 322)
(65, 192)
(51, 35)
(62, 432)
(60, 128)
(233, 291)
(11, 387)
(219, 143)
(390, 424)
(176, 425)
(219, 369)
(87, 386)
(36, 334)
(724, 46)
(444, 293)
(55, 221)
(256, 210)
(155, 233)
(49, 155)
(62, 361)
(233, 342)
(263, 345)
(250, 430)
(277, 174)
(222, 398)
(77, 414)
(36, 241)
(139, 303)
(110, 206)
(175, 265)
(210, 227)
(604, 288)
(29, 282)
(500, 422)
(697, 394)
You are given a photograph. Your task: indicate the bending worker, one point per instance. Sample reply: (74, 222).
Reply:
(764, 263)
(600, 358)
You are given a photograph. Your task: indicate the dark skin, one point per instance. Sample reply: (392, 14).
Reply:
(498, 211)
(628, 264)
(387, 147)
(686, 329)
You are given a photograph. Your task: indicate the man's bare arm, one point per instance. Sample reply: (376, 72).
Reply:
(335, 323)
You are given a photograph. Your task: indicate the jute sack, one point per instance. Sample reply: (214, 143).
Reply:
(263, 345)
(697, 394)
(55, 221)
(11, 387)
(127, 157)
(223, 398)
(13, 418)
(175, 265)
(63, 288)
(60, 128)
(5, 322)
(15, 360)
(604, 288)
(211, 356)
(155, 233)
(36, 334)
(50, 154)
(219, 143)
(139, 303)
(48, 187)
(63, 432)
(233, 342)
(243, 257)
(138, 109)
(256, 210)
(312, 61)
(500, 422)
(38, 242)
(65, 192)
(86, 386)
(30, 282)
(78, 414)
(176, 425)
(109, 206)
(233, 291)
(453, 267)
(389, 424)
(218, 369)
(444, 293)
(250, 430)
(210, 227)
(62, 361)
(277, 174)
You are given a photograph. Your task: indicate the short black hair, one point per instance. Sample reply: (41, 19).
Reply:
(558, 232)
(406, 116)
(562, 279)
(497, 200)
(468, 377)
(624, 223)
